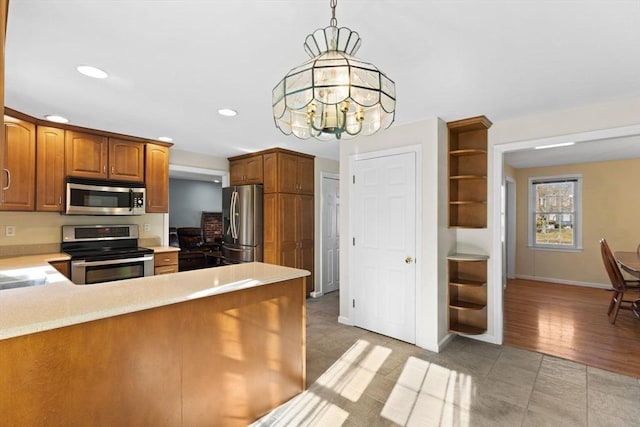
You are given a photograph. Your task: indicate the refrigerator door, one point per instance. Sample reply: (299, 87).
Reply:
(248, 215)
(234, 254)
(242, 223)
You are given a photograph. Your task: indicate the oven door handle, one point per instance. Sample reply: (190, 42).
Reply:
(111, 261)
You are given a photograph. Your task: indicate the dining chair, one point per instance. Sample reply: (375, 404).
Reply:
(620, 286)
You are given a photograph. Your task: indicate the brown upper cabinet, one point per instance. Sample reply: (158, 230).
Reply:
(246, 170)
(294, 173)
(157, 178)
(18, 165)
(50, 169)
(126, 160)
(86, 155)
(288, 172)
(95, 156)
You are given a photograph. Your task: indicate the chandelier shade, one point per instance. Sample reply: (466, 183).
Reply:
(334, 94)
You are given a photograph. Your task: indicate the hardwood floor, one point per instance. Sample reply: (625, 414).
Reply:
(571, 322)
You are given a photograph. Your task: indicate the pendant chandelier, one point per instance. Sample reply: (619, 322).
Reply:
(334, 94)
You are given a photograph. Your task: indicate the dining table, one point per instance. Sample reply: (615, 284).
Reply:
(630, 262)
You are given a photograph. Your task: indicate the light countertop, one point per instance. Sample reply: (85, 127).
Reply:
(61, 303)
(160, 249)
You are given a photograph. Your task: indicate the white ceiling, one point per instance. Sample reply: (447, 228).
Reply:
(582, 152)
(173, 64)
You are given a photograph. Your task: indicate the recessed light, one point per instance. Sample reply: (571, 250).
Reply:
(165, 139)
(562, 144)
(227, 112)
(217, 181)
(57, 119)
(90, 71)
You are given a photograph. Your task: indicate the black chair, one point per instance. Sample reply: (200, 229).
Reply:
(192, 251)
(173, 237)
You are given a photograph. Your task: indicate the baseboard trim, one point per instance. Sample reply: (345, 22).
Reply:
(563, 281)
(345, 320)
(446, 340)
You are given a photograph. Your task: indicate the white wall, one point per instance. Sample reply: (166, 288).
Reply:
(437, 239)
(198, 160)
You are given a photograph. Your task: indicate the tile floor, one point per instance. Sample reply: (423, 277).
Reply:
(358, 378)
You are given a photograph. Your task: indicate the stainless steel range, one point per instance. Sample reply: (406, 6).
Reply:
(103, 253)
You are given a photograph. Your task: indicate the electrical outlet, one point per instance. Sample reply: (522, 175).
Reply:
(147, 227)
(10, 230)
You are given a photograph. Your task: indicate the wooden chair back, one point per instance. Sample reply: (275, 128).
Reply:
(615, 275)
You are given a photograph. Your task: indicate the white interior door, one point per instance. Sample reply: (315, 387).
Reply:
(330, 234)
(384, 223)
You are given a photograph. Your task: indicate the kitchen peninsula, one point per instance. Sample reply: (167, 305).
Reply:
(218, 346)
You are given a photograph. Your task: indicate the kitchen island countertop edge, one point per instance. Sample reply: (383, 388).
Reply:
(61, 303)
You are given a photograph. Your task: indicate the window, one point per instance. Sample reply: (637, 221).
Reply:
(555, 212)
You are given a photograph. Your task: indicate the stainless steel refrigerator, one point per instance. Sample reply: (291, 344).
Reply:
(242, 224)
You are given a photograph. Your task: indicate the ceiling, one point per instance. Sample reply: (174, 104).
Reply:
(173, 64)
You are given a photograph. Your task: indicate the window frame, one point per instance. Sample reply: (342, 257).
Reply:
(577, 204)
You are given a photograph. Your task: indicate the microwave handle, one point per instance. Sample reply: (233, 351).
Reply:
(130, 200)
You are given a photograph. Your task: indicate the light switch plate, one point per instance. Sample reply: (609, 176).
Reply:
(10, 230)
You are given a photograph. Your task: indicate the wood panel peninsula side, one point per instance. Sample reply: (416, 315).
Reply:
(206, 347)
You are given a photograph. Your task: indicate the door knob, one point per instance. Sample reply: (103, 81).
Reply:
(408, 260)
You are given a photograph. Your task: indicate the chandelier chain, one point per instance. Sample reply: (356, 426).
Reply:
(333, 22)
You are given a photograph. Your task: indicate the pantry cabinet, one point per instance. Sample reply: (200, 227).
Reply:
(18, 165)
(288, 186)
(289, 232)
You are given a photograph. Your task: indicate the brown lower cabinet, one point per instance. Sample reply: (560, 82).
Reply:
(288, 238)
(223, 360)
(165, 262)
(62, 267)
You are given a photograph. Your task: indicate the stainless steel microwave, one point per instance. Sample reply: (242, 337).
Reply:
(96, 197)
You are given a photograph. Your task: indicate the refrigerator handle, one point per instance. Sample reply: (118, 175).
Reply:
(234, 208)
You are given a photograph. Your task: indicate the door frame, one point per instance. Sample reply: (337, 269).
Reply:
(323, 175)
(510, 228)
(351, 286)
(496, 153)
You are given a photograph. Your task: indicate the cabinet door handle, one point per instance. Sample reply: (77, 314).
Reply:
(8, 179)
(59, 200)
(104, 169)
(113, 169)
